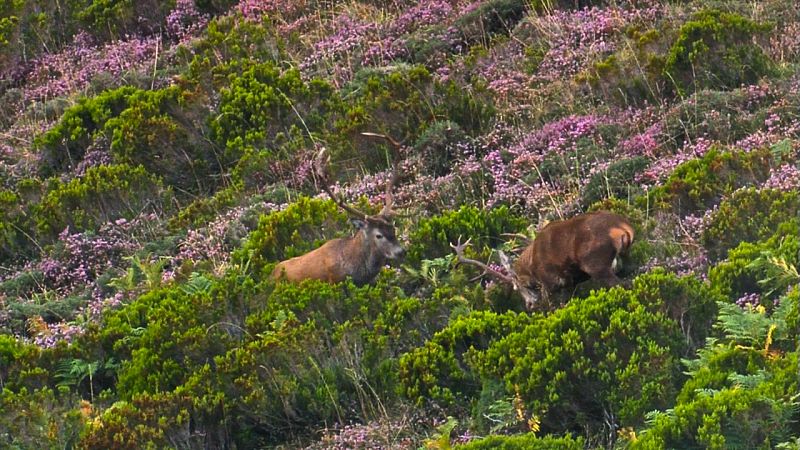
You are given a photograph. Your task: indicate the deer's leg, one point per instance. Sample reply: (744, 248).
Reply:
(598, 263)
(603, 273)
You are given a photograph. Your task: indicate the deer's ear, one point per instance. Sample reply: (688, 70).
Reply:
(358, 223)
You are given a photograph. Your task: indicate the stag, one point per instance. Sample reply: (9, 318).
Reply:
(563, 253)
(360, 256)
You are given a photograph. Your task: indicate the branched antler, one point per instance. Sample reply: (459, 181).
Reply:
(527, 293)
(394, 178)
(459, 249)
(322, 163)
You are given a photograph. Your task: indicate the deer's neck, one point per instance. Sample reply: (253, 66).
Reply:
(523, 268)
(366, 263)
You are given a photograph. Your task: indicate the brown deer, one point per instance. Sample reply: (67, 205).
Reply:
(360, 256)
(565, 252)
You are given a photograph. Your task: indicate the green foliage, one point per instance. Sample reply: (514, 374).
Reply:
(102, 194)
(614, 354)
(109, 19)
(698, 184)
(527, 441)
(147, 421)
(303, 226)
(759, 267)
(749, 215)
(402, 101)
(437, 372)
(9, 19)
(154, 129)
(39, 418)
(159, 130)
(739, 394)
(64, 146)
(715, 50)
(432, 236)
(264, 107)
(259, 361)
(227, 39)
(16, 358)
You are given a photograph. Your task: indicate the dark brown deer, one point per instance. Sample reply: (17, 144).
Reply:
(565, 252)
(360, 256)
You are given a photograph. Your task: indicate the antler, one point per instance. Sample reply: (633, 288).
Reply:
(459, 249)
(389, 196)
(528, 294)
(321, 165)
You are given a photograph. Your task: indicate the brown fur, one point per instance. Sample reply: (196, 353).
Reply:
(568, 250)
(361, 256)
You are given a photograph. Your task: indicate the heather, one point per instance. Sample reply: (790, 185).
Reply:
(157, 161)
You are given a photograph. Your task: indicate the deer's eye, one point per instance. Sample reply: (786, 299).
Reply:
(379, 236)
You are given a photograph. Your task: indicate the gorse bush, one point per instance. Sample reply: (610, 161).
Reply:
(483, 226)
(749, 215)
(738, 394)
(154, 129)
(64, 146)
(301, 227)
(699, 184)
(715, 50)
(761, 267)
(403, 100)
(102, 194)
(330, 350)
(614, 354)
(438, 371)
(266, 107)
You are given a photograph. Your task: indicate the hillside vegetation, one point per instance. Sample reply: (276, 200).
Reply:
(156, 162)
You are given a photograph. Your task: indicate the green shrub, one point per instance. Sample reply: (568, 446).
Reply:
(113, 19)
(739, 395)
(613, 354)
(749, 215)
(402, 101)
(431, 237)
(64, 146)
(715, 50)
(438, 371)
(760, 267)
(303, 226)
(102, 194)
(264, 107)
(39, 418)
(154, 129)
(262, 362)
(147, 421)
(696, 185)
(527, 441)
